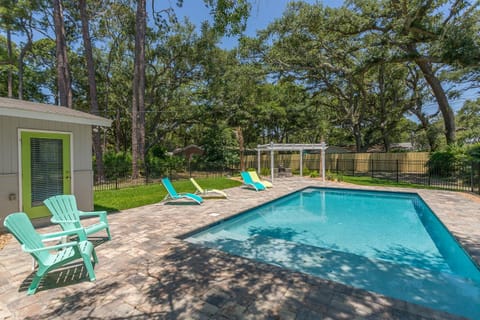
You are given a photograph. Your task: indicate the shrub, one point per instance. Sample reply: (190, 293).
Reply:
(117, 164)
(314, 174)
(306, 171)
(441, 163)
(474, 153)
(265, 171)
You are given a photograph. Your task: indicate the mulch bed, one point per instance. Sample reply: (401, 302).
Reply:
(4, 239)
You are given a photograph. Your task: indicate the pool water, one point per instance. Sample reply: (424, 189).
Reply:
(386, 242)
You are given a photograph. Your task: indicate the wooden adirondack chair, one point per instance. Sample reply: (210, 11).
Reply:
(22, 229)
(65, 212)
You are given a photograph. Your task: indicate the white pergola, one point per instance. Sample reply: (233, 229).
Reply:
(272, 147)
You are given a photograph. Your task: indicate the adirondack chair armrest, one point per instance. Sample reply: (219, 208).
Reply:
(101, 214)
(92, 213)
(50, 248)
(80, 232)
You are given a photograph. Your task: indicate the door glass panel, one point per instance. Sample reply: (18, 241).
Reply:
(47, 169)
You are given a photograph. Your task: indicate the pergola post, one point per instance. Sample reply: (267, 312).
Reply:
(323, 147)
(301, 162)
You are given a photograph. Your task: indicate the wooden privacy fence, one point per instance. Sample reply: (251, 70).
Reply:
(411, 162)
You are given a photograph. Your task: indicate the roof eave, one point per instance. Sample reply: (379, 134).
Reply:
(18, 113)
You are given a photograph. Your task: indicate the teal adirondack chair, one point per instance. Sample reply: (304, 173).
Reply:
(65, 212)
(22, 229)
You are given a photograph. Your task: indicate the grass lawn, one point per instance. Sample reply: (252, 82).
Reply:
(115, 200)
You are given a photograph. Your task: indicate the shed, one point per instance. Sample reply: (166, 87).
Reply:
(45, 150)
(188, 152)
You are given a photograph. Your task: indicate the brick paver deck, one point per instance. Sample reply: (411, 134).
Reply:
(145, 272)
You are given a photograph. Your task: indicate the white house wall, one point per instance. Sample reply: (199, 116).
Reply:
(9, 162)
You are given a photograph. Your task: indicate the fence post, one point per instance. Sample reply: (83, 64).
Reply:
(397, 170)
(472, 175)
(478, 177)
(116, 183)
(336, 166)
(353, 166)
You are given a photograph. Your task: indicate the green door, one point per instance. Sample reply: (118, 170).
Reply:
(46, 169)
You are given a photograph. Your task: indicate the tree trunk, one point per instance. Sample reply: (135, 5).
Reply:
(10, 59)
(92, 86)
(241, 147)
(21, 65)
(444, 106)
(138, 103)
(63, 71)
(358, 137)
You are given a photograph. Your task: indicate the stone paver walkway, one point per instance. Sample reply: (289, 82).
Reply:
(146, 272)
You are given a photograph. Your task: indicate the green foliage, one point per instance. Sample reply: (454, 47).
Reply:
(220, 146)
(117, 164)
(314, 174)
(474, 152)
(443, 163)
(306, 171)
(468, 122)
(265, 172)
(159, 164)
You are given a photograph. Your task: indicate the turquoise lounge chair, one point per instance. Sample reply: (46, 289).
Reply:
(247, 180)
(65, 212)
(256, 178)
(32, 242)
(172, 193)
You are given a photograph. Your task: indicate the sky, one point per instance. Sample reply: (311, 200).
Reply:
(262, 13)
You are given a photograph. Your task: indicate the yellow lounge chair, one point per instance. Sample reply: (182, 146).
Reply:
(206, 192)
(256, 178)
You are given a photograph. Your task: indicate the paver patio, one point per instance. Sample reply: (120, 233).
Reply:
(145, 272)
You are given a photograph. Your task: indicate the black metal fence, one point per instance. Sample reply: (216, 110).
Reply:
(461, 177)
(124, 179)
(464, 177)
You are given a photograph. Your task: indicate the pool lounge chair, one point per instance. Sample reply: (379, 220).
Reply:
(247, 180)
(65, 212)
(206, 192)
(173, 195)
(50, 257)
(256, 178)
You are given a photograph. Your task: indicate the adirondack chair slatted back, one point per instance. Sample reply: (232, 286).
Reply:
(22, 229)
(170, 189)
(64, 207)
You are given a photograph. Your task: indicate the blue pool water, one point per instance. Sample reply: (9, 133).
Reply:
(390, 243)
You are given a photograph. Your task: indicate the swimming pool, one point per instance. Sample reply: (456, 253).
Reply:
(386, 242)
